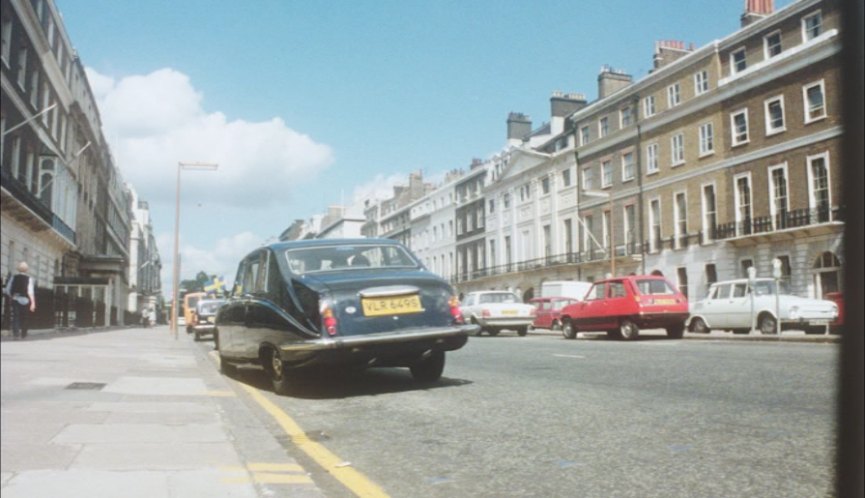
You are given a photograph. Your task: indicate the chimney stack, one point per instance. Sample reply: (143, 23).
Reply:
(611, 80)
(756, 10)
(519, 127)
(668, 51)
(563, 105)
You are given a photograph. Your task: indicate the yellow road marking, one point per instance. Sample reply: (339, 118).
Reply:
(356, 482)
(274, 467)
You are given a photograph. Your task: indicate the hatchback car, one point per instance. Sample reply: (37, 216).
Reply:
(205, 317)
(548, 311)
(622, 306)
(353, 302)
(495, 311)
(736, 305)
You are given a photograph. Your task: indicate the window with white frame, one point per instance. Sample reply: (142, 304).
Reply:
(525, 192)
(34, 88)
(701, 82)
(738, 63)
(626, 117)
(812, 26)
(545, 185)
(584, 135)
(674, 96)
(603, 127)
(506, 200)
(710, 212)
(743, 204)
(649, 106)
(654, 225)
(707, 139)
(778, 194)
(605, 226)
(22, 67)
(818, 186)
(815, 102)
(606, 174)
(588, 178)
(6, 37)
(628, 170)
(651, 158)
(588, 228)
(568, 230)
(774, 115)
(677, 149)
(772, 44)
(566, 177)
(739, 127)
(681, 217)
(629, 228)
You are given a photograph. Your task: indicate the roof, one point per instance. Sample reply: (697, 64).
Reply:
(293, 244)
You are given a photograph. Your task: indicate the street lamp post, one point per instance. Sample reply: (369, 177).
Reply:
(176, 270)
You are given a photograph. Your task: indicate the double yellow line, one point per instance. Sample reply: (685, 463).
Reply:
(356, 482)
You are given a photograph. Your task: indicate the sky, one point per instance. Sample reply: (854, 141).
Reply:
(306, 104)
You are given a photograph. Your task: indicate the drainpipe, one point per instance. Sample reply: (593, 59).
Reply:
(640, 183)
(577, 194)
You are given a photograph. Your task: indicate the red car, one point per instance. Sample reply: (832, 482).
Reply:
(837, 326)
(621, 306)
(549, 310)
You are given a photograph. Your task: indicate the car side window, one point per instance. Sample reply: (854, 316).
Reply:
(713, 293)
(617, 289)
(723, 291)
(237, 290)
(261, 276)
(596, 292)
(739, 290)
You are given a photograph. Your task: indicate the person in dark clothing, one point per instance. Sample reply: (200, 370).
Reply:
(22, 302)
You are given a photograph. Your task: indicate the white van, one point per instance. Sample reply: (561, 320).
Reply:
(565, 288)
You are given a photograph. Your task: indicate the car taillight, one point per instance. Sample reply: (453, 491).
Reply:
(328, 321)
(456, 313)
(485, 313)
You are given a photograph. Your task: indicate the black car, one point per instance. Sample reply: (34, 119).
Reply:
(354, 302)
(205, 317)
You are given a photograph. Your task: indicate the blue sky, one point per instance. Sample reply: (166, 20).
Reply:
(307, 104)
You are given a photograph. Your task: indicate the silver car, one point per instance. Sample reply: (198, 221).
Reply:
(497, 310)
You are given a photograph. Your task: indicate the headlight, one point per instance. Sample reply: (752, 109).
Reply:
(794, 312)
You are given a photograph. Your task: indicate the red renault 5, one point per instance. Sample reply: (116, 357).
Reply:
(621, 306)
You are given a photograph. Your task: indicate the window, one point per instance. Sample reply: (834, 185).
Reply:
(682, 277)
(548, 244)
(812, 26)
(711, 274)
(786, 271)
(569, 234)
(605, 227)
(545, 185)
(34, 89)
(818, 187)
(584, 135)
(710, 213)
(651, 158)
(588, 179)
(655, 225)
(626, 117)
(630, 225)
(707, 139)
(772, 44)
(739, 125)
(566, 177)
(815, 106)
(606, 174)
(743, 204)
(6, 36)
(827, 278)
(603, 127)
(22, 67)
(677, 149)
(492, 207)
(649, 106)
(701, 82)
(492, 253)
(737, 61)
(16, 159)
(681, 219)
(774, 115)
(588, 227)
(628, 171)
(743, 267)
(525, 192)
(673, 95)
(778, 195)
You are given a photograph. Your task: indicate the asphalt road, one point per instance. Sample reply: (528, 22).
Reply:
(543, 416)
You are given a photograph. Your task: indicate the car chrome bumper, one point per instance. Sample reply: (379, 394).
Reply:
(506, 322)
(442, 338)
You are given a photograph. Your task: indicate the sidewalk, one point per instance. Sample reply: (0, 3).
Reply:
(134, 413)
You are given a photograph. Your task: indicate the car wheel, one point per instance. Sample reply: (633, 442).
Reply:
(699, 326)
(767, 324)
(522, 331)
(676, 331)
(429, 369)
(278, 374)
(226, 367)
(568, 330)
(480, 331)
(628, 330)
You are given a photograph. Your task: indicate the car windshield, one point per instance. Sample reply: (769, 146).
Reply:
(498, 297)
(209, 307)
(347, 257)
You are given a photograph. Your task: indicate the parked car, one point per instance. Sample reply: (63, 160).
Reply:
(190, 300)
(495, 311)
(353, 302)
(548, 311)
(728, 306)
(621, 306)
(837, 326)
(205, 317)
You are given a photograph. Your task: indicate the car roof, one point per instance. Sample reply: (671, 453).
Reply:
(293, 244)
(742, 280)
(554, 298)
(632, 278)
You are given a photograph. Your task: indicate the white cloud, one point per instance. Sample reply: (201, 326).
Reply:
(380, 187)
(221, 259)
(156, 120)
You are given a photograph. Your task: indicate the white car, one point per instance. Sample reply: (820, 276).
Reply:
(728, 306)
(497, 310)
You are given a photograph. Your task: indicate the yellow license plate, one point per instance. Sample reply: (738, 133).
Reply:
(211, 319)
(401, 305)
(509, 312)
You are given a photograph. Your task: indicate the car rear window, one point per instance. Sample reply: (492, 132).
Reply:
(347, 257)
(654, 287)
(498, 297)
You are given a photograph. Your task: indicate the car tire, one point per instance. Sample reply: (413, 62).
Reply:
(480, 331)
(628, 330)
(568, 330)
(522, 331)
(226, 367)
(278, 375)
(676, 331)
(766, 324)
(699, 326)
(429, 369)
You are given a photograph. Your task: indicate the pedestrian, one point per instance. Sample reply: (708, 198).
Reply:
(23, 301)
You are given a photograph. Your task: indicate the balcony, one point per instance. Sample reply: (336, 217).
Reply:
(783, 226)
